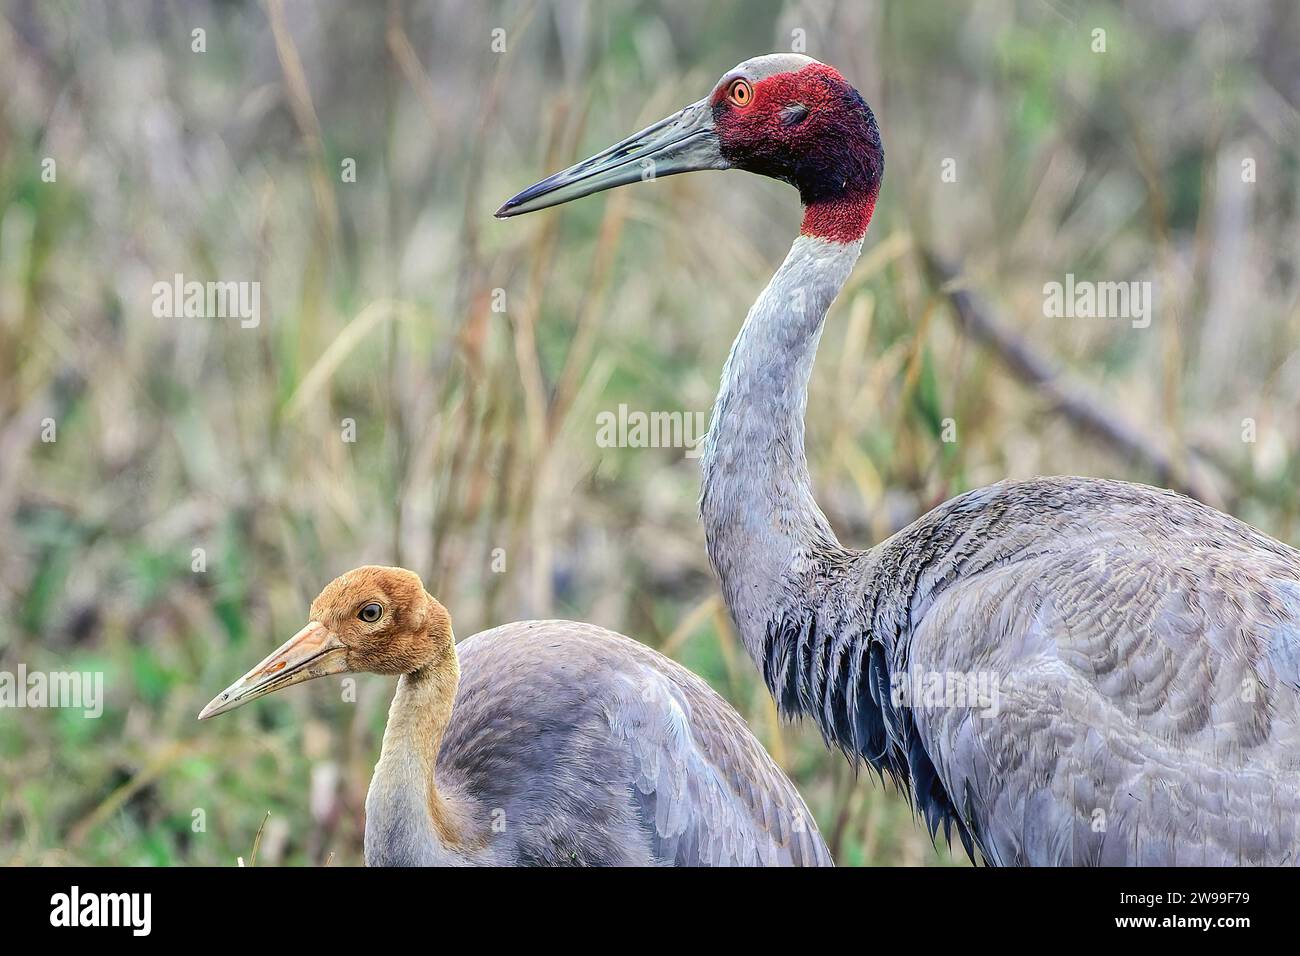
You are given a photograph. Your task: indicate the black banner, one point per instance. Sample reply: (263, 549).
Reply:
(333, 905)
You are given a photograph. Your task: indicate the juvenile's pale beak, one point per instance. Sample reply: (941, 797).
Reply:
(681, 143)
(312, 652)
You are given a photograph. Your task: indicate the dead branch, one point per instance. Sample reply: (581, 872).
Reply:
(1081, 408)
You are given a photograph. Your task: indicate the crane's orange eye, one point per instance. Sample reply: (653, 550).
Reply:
(740, 92)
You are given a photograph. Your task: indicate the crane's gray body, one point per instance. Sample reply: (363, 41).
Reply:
(570, 745)
(1144, 648)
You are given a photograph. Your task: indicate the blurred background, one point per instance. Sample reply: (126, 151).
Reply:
(201, 487)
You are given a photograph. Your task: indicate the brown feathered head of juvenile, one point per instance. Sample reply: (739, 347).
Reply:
(372, 619)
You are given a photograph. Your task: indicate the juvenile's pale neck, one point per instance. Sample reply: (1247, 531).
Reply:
(409, 820)
(762, 525)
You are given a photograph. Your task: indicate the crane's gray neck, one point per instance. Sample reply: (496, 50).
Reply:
(794, 592)
(410, 820)
(763, 527)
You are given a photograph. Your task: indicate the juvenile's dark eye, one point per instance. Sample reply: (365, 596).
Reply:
(370, 613)
(740, 92)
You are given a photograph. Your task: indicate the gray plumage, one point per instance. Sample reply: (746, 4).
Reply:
(1145, 648)
(572, 745)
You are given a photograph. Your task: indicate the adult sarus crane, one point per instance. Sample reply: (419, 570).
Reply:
(1139, 651)
(539, 743)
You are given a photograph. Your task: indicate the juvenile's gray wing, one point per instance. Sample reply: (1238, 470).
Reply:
(709, 792)
(1147, 694)
(601, 750)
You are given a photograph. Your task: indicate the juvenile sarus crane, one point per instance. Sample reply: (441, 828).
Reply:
(1136, 653)
(539, 743)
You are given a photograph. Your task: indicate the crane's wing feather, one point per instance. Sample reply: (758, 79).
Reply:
(709, 793)
(598, 748)
(1128, 693)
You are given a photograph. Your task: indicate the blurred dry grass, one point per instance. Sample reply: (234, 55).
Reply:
(475, 428)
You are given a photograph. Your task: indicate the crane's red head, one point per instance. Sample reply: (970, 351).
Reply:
(783, 115)
(373, 619)
(808, 127)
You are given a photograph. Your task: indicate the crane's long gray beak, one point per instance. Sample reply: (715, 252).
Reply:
(681, 143)
(313, 652)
